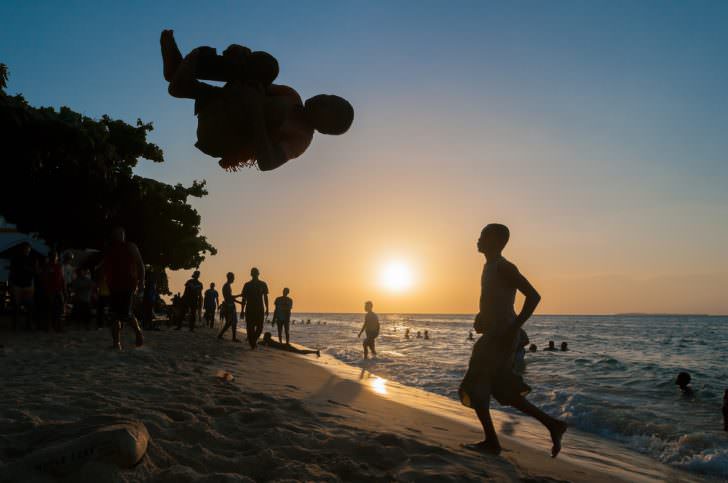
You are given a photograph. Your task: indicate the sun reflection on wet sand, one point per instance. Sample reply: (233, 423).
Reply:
(379, 385)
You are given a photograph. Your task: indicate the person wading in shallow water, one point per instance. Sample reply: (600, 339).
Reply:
(254, 301)
(282, 314)
(371, 327)
(124, 270)
(490, 372)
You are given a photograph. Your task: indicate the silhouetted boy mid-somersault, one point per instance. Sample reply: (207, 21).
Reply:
(490, 372)
(249, 119)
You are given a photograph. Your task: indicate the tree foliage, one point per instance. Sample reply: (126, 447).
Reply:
(70, 178)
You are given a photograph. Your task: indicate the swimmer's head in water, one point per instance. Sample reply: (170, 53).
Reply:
(286, 291)
(368, 305)
(533, 348)
(564, 346)
(493, 238)
(329, 114)
(254, 272)
(551, 344)
(683, 379)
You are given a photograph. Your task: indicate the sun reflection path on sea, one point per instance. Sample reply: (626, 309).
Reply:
(379, 385)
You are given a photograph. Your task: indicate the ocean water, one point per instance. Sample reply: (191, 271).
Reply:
(616, 381)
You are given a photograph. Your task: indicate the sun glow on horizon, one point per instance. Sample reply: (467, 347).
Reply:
(396, 276)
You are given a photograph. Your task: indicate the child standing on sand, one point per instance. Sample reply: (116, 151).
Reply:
(490, 372)
(371, 326)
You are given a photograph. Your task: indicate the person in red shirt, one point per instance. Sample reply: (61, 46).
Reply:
(124, 271)
(53, 288)
(249, 120)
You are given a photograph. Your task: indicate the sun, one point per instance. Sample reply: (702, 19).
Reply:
(396, 276)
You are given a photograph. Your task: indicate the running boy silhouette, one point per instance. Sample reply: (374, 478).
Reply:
(371, 327)
(490, 372)
(249, 119)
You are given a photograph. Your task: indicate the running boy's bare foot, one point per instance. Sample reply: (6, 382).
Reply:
(557, 432)
(485, 447)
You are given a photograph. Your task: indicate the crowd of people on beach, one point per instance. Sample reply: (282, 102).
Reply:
(43, 289)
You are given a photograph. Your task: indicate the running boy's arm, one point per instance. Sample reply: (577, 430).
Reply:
(515, 278)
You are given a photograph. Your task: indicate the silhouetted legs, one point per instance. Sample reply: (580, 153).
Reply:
(281, 326)
(369, 344)
(231, 320)
(116, 332)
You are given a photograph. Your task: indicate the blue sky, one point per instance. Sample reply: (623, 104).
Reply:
(599, 125)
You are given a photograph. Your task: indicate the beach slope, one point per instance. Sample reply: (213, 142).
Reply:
(218, 412)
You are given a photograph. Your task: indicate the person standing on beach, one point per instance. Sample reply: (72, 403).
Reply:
(254, 301)
(212, 299)
(229, 312)
(282, 314)
(124, 271)
(490, 371)
(192, 298)
(22, 271)
(371, 327)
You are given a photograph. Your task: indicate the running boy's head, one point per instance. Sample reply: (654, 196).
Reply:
(254, 272)
(329, 114)
(230, 277)
(493, 239)
(368, 306)
(286, 292)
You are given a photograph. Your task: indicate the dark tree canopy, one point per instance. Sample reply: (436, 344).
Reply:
(70, 179)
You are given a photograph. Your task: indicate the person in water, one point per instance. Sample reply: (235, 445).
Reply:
(419, 334)
(551, 347)
(406, 333)
(254, 301)
(683, 380)
(269, 342)
(229, 312)
(564, 346)
(371, 327)
(519, 361)
(533, 348)
(282, 314)
(470, 335)
(490, 371)
(427, 335)
(249, 119)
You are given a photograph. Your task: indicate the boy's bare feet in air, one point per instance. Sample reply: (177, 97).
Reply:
(557, 432)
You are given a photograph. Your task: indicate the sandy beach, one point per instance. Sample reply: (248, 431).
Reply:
(281, 417)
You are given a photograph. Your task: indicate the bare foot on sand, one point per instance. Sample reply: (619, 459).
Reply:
(484, 447)
(556, 434)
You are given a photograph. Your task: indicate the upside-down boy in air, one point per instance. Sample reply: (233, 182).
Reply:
(249, 119)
